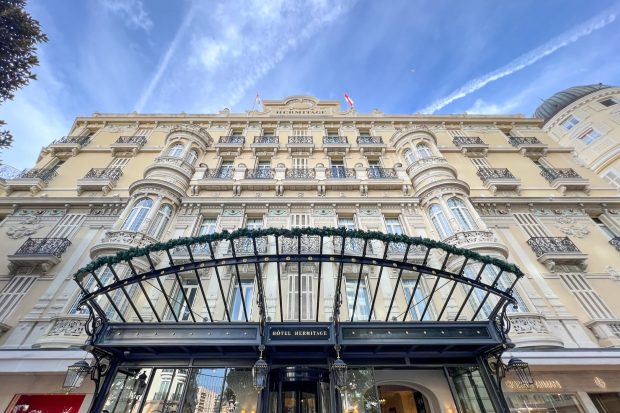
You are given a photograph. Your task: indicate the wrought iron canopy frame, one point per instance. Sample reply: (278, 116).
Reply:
(116, 298)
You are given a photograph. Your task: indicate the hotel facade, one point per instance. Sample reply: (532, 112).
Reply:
(305, 258)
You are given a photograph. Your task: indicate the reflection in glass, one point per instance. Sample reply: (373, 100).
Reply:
(126, 391)
(360, 395)
(472, 395)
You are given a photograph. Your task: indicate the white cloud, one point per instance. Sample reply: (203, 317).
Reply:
(235, 45)
(131, 11)
(525, 60)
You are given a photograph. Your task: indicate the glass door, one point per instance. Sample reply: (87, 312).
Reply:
(299, 390)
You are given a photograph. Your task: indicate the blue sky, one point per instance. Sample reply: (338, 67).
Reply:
(409, 56)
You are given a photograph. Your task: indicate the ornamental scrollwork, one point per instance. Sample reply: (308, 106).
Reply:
(524, 324)
(25, 228)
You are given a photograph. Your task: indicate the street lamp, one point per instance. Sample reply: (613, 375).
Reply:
(522, 370)
(260, 371)
(76, 374)
(339, 370)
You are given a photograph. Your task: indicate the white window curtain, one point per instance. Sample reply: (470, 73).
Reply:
(461, 214)
(423, 151)
(161, 220)
(439, 220)
(236, 313)
(176, 150)
(137, 214)
(362, 306)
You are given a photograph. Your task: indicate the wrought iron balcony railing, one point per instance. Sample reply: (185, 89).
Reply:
(246, 245)
(552, 245)
(551, 174)
(369, 140)
(521, 140)
(335, 139)
(615, 241)
(260, 173)
(44, 246)
(300, 140)
(196, 249)
(467, 140)
(296, 173)
(104, 173)
(221, 173)
(381, 173)
(232, 139)
(136, 140)
(267, 139)
(43, 174)
(495, 173)
(78, 140)
(340, 173)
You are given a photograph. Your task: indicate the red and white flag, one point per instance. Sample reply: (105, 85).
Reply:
(258, 100)
(349, 100)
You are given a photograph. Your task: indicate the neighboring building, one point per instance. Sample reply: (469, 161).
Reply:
(587, 118)
(181, 324)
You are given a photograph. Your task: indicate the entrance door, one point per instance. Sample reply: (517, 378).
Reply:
(299, 390)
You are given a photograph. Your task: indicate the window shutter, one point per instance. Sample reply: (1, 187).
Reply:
(67, 226)
(13, 293)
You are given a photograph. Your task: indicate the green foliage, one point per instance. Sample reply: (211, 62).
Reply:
(19, 36)
(326, 232)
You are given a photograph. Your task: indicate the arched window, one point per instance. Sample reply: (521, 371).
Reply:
(409, 157)
(176, 150)
(161, 220)
(139, 211)
(439, 220)
(423, 151)
(192, 156)
(461, 214)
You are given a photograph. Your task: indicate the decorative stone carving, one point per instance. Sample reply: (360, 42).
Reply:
(527, 325)
(570, 226)
(278, 212)
(324, 212)
(369, 212)
(134, 239)
(68, 327)
(26, 227)
(613, 274)
(40, 212)
(232, 212)
(470, 237)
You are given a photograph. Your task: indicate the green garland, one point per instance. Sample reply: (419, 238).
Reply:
(296, 232)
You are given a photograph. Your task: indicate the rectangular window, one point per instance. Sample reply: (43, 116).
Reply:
(337, 169)
(13, 293)
(67, 226)
(608, 102)
(207, 226)
(300, 163)
(306, 299)
(300, 220)
(590, 136)
(393, 226)
(142, 132)
(613, 177)
(586, 296)
(608, 232)
(348, 223)
(237, 304)
(362, 305)
(254, 223)
(570, 122)
(180, 306)
(530, 225)
(300, 132)
(416, 296)
(118, 163)
(226, 169)
(480, 163)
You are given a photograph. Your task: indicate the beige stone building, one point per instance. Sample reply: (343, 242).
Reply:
(587, 118)
(178, 327)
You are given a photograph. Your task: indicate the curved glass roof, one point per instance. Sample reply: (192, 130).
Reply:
(551, 106)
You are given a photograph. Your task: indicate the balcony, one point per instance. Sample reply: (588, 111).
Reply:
(265, 145)
(565, 179)
(607, 331)
(38, 253)
(181, 254)
(499, 179)
(230, 145)
(381, 173)
(65, 331)
(615, 242)
(340, 173)
(551, 251)
(68, 145)
(481, 241)
(336, 145)
(531, 330)
(99, 179)
(184, 169)
(301, 174)
(260, 173)
(122, 240)
(300, 144)
(33, 180)
(528, 146)
(371, 145)
(471, 145)
(128, 144)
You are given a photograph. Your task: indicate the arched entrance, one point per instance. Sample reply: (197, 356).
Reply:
(401, 399)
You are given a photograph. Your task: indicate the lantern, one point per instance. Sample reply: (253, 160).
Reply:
(75, 375)
(260, 371)
(339, 370)
(141, 384)
(522, 370)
